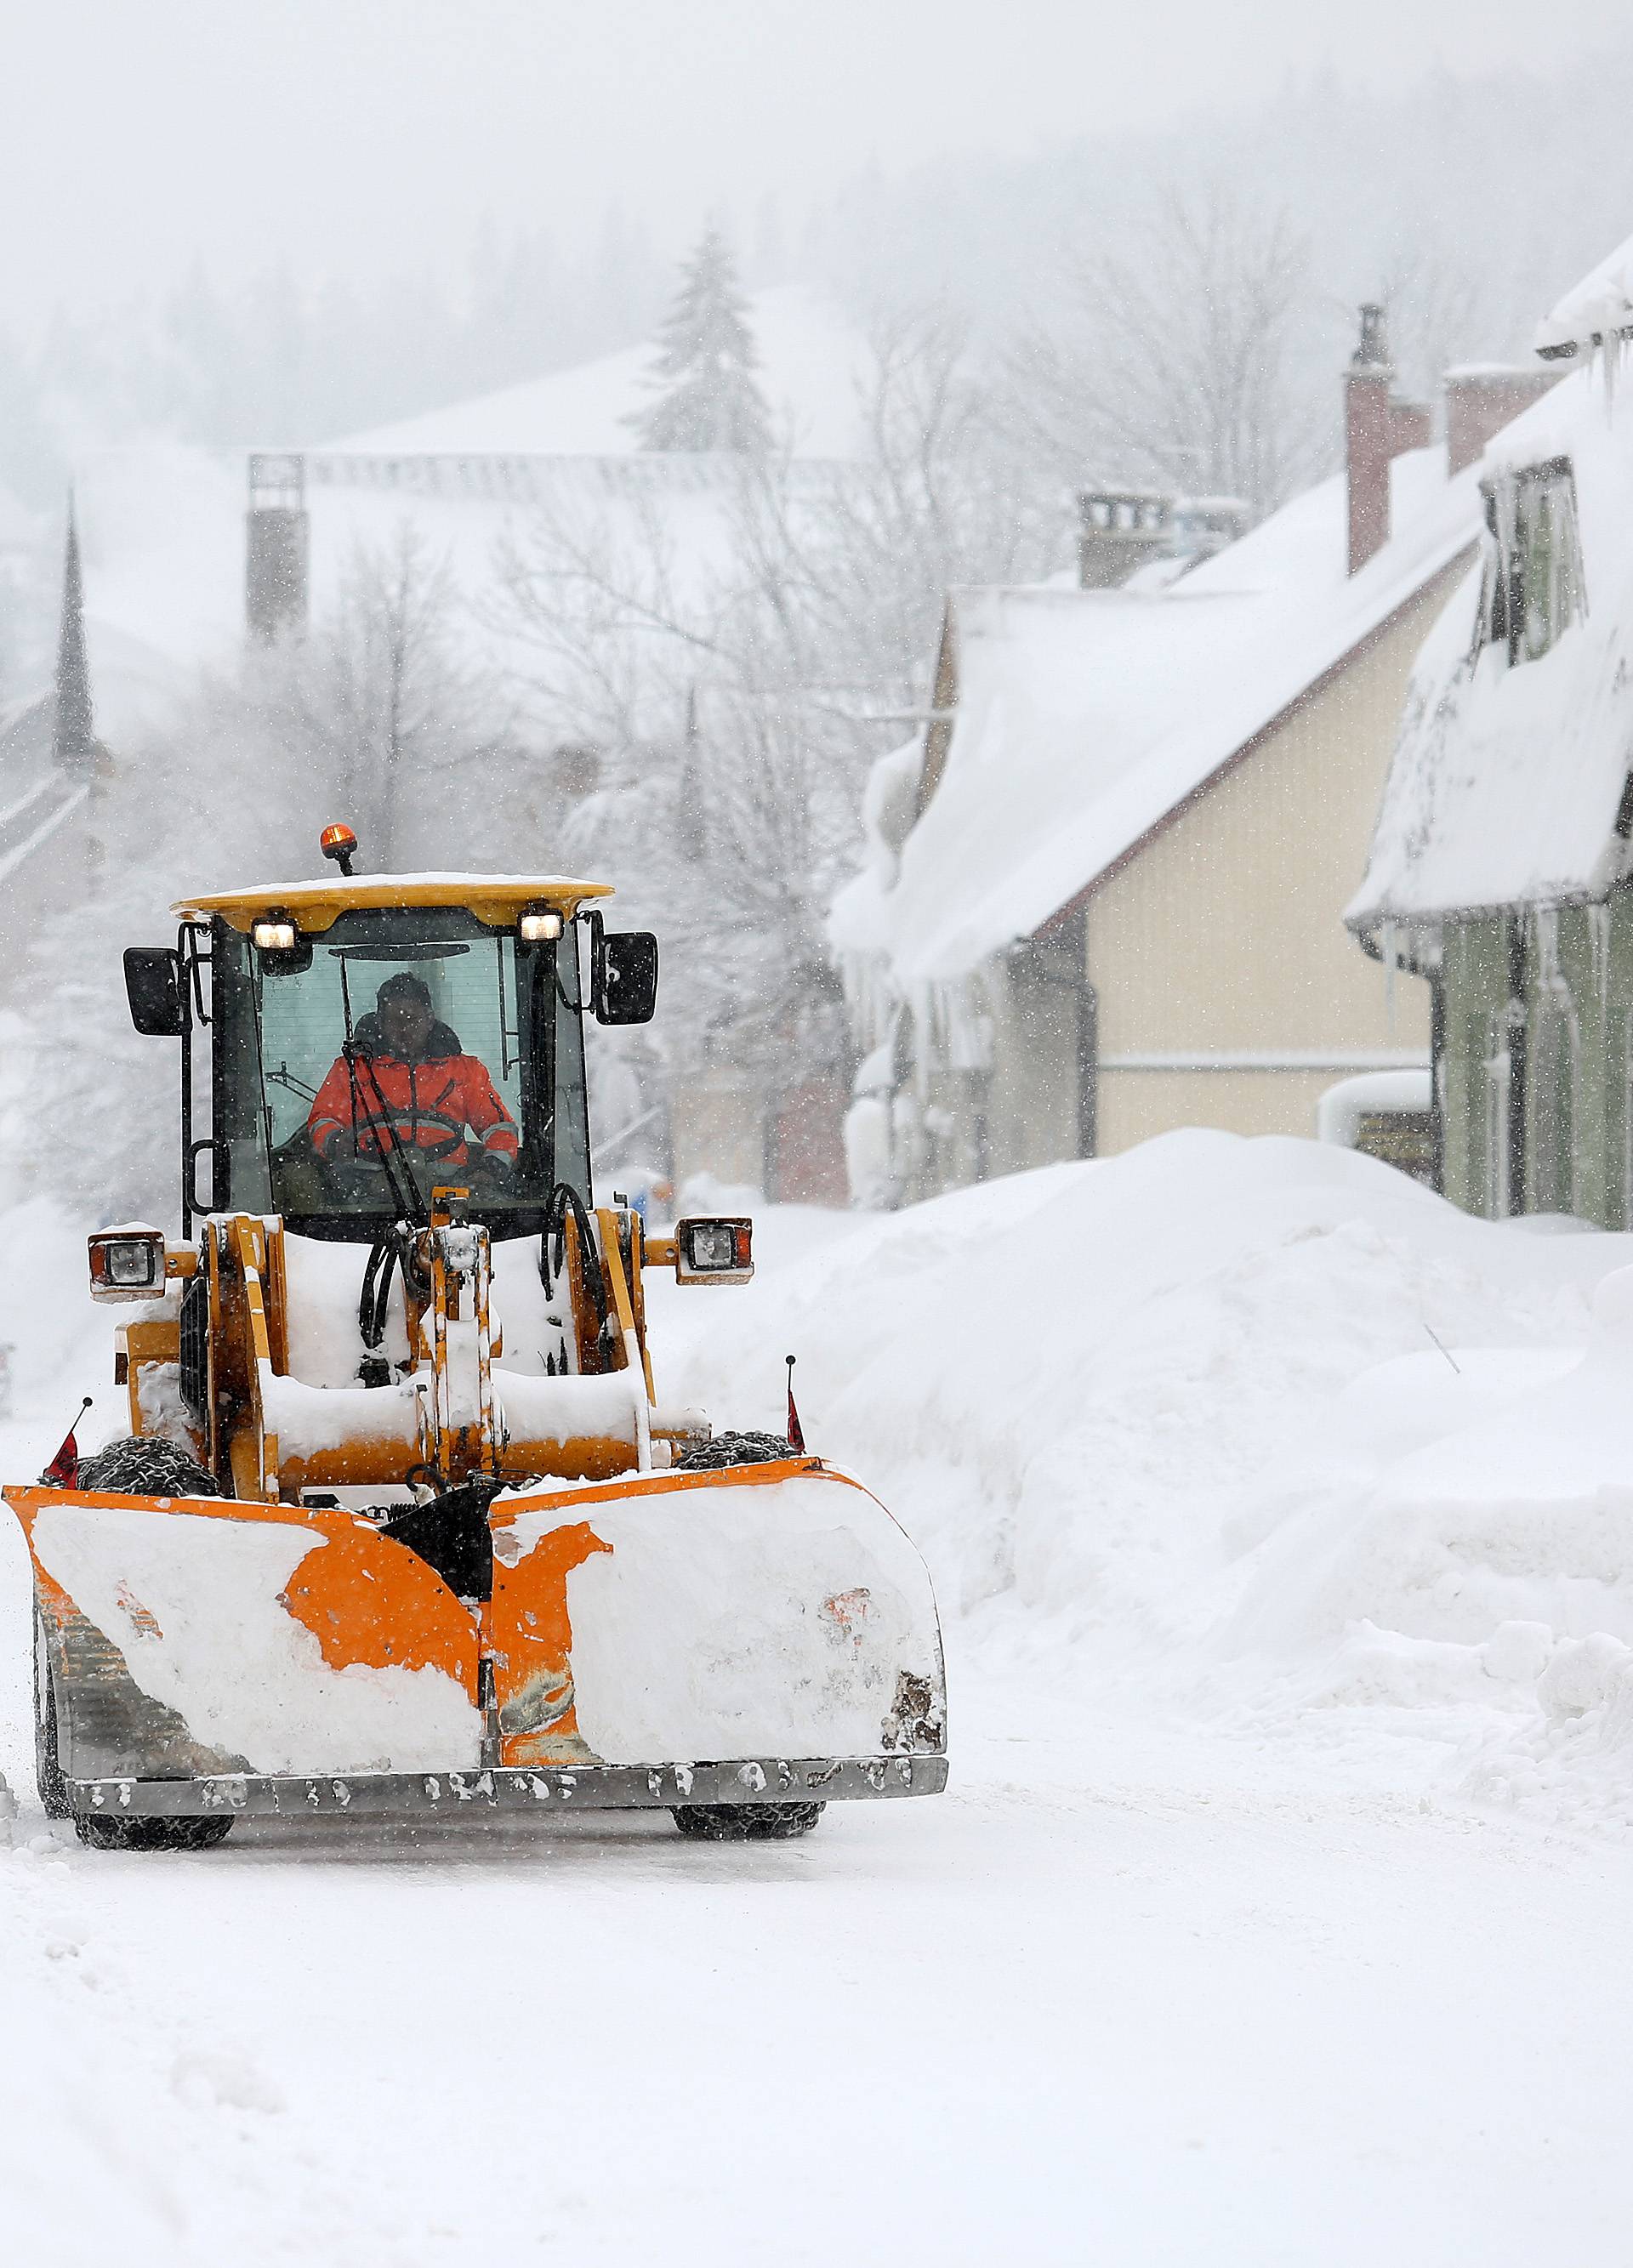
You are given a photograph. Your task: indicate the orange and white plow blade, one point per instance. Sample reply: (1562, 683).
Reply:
(758, 1611)
(758, 1630)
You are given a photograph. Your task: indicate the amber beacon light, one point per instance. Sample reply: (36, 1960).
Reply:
(339, 843)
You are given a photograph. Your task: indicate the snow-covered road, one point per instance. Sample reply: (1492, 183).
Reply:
(1117, 1997)
(1174, 1973)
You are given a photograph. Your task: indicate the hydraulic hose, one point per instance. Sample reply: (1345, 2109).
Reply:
(565, 1200)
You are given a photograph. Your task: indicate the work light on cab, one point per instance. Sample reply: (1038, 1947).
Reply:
(539, 926)
(711, 1250)
(275, 936)
(127, 1264)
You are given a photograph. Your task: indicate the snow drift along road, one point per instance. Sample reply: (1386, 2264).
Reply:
(1261, 1426)
(1205, 1960)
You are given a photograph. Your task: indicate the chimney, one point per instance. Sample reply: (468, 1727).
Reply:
(1377, 428)
(275, 546)
(1481, 398)
(1119, 530)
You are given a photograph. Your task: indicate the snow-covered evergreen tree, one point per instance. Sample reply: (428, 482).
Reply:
(706, 362)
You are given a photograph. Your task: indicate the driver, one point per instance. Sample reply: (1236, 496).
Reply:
(403, 1084)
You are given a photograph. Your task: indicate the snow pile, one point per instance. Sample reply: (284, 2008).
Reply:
(1348, 1101)
(1261, 1431)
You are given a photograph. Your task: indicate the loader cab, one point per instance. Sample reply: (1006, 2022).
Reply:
(277, 1001)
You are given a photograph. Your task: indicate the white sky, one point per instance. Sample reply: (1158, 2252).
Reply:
(347, 134)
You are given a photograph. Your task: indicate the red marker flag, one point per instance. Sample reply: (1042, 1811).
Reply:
(63, 1469)
(796, 1431)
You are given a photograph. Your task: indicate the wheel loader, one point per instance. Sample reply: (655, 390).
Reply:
(402, 1528)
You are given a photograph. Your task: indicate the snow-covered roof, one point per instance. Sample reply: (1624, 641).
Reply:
(162, 525)
(1084, 718)
(36, 795)
(1507, 778)
(163, 544)
(814, 367)
(1596, 309)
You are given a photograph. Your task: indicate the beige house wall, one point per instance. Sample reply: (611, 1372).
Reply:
(1136, 1105)
(1223, 938)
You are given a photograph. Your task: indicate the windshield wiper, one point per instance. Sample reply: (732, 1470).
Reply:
(399, 1174)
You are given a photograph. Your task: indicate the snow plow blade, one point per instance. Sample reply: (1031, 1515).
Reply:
(755, 1635)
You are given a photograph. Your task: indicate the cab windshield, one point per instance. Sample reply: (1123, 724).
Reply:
(398, 1052)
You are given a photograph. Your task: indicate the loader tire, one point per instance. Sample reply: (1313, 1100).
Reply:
(732, 1449)
(101, 1834)
(48, 1763)
(747, 1822)
(143, 1466)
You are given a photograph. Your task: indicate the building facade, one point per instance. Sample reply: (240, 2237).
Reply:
(1500, 868)
(1108, 886)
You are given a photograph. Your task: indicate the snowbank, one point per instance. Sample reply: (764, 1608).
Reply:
(1260, 1429)
(1344, 1105)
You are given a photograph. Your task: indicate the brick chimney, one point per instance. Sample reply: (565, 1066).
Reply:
(276, 544)
(1377, 428)
(1481, 398)
(1119, 530)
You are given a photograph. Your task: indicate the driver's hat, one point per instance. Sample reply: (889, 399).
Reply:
(404, 986)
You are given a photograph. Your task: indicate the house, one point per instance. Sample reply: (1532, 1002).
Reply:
(1107, 879)
(1500, 869)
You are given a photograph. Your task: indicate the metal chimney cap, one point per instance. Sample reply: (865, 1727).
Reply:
(1373, 353)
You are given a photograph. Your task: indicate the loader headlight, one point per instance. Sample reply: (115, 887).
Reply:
(275, 936)
(540, 927)
(127, 1264)
(714, 1250)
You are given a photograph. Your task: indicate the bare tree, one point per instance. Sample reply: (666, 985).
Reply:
(1439, 311)
(386, 697)
(738, 711)
(380, 713)
(1183, 362)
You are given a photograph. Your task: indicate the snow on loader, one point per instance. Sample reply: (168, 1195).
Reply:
(399, 1527)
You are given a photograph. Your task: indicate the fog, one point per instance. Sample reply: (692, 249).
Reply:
(1011, 251)
(346, 135)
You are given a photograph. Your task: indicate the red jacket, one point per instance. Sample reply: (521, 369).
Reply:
(425, 1106)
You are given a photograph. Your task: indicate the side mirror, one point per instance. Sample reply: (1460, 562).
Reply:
(153, 988)
(623, 974)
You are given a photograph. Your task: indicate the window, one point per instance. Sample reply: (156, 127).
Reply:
(343, 1117)
(1533, 586)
